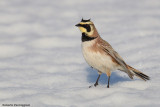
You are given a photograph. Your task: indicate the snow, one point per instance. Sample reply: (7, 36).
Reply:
(41, 62)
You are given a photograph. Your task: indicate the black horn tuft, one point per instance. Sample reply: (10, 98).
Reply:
(82, 19)
(85, 20)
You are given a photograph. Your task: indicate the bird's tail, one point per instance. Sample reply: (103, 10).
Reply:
(138, 73)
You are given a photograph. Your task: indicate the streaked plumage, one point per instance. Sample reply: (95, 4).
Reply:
(100, 55)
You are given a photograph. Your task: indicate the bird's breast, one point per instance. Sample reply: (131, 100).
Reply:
(97, 59)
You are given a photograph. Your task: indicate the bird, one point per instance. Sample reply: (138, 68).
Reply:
(100, 55)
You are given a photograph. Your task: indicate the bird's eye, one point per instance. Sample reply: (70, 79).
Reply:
(88, 27)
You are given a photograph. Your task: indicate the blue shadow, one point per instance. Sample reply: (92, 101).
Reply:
(93, 74)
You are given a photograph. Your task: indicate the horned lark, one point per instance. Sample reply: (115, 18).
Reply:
(100, 55)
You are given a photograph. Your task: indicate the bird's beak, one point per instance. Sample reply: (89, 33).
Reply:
(78, 25)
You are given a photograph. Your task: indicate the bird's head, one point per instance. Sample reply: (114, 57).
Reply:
(86, 26)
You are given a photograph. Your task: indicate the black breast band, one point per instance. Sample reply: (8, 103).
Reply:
(87, 38)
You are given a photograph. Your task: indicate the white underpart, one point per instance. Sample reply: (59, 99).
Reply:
(99, 61)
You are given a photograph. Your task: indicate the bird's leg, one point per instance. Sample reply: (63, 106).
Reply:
(97, 80)
(108, 82)
(108, 74)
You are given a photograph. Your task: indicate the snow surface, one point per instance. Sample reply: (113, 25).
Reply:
(41, 63)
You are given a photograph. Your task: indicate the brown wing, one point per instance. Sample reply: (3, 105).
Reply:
(106, 47)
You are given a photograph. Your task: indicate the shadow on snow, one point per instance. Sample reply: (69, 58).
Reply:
(93, 74)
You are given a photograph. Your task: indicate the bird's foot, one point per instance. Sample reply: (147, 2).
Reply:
(93, 85)
(96, 84)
